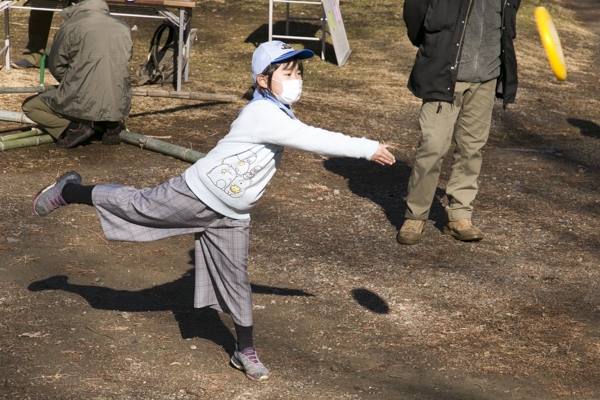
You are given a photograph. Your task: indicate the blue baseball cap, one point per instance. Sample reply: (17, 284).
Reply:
(272, 52)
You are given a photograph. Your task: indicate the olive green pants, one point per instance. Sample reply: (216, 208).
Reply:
(38, 33)
(466, 122)
(52, 122)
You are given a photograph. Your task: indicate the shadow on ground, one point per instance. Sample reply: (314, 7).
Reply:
(203, 323)
(384, 186)
(587, 128)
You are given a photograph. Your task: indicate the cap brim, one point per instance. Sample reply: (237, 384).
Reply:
(300, 54)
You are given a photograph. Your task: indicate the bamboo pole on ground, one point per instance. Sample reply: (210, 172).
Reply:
(159, 146)
(135, 139)
(172, 94)
(14, 116)
(21, 135)
(26, 142)
(32, 89)
(24, 139)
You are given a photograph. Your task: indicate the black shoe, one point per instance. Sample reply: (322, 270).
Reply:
(73, 137)
(111, 132)
(22, 64)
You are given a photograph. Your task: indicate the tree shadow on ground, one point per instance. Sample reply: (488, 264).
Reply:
(176, 296)
(384, 186)
(304, 29)
(587, 128)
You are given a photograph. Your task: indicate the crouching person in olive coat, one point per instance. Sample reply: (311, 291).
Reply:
(89, 58)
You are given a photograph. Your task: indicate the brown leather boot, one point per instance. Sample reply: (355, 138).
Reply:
(463, 230)
(411, 231)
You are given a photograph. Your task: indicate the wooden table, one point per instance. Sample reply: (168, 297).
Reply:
(158, 9)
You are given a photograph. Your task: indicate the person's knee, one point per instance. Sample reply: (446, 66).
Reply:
(27, 105)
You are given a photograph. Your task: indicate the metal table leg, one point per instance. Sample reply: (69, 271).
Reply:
(180, 50)
(6, 35)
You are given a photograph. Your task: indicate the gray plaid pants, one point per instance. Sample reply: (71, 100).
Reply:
(170, 209)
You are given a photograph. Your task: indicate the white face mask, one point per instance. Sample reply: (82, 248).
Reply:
(292, 90)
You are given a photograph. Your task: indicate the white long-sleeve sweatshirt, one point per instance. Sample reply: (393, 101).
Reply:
(234, 174)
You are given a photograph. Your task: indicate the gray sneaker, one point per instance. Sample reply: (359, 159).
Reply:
(50, 198)
(247, 361)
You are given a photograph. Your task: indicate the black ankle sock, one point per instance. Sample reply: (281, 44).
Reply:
(244, 336)
(73, 193)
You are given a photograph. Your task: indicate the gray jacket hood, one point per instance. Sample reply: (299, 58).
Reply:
(84, 6)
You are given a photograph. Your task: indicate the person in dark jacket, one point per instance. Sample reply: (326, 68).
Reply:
(465, 59)
(89, 58)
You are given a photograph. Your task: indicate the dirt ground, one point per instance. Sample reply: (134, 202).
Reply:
(341, 310)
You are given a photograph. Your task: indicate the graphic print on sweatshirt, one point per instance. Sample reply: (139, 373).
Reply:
(234, 175)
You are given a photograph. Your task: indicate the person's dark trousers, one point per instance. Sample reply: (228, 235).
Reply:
(39, 31)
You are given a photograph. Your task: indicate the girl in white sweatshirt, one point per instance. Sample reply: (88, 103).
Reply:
(213, 198)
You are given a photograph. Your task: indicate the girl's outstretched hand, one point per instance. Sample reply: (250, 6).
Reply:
(383, 156)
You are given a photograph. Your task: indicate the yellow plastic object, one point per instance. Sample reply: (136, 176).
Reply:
(551, 42)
